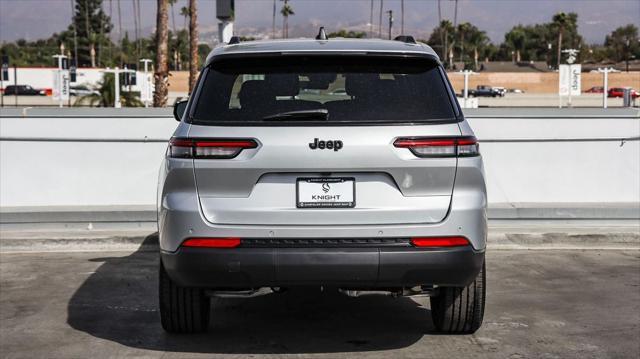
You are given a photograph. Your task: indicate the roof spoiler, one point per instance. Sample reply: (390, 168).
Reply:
(408, 39)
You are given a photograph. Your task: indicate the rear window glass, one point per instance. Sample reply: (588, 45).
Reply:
(348, 89)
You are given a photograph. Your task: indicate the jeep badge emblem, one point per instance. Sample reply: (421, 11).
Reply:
(335, 145)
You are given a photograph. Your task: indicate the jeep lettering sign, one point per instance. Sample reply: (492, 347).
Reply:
(335, 145)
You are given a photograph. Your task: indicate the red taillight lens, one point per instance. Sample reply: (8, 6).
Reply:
(440, 147)
(434, 242)
(208, 148)
(212, 242)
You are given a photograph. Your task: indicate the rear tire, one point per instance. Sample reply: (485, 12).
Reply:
(459, 310)
(182, 310)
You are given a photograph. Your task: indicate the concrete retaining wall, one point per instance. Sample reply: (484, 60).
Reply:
(539, 163)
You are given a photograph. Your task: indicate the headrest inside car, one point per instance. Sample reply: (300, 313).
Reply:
(283, 84)
(360, 85)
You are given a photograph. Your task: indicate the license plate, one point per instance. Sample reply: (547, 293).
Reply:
(326, 193)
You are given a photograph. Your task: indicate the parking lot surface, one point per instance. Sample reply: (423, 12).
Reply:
(541, 304)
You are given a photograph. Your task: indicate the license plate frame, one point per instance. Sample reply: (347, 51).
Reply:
(326, 204)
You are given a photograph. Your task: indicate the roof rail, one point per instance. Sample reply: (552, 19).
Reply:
(406, 39)
(234, 40)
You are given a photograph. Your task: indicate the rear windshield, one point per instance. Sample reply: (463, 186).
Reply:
(344, 89)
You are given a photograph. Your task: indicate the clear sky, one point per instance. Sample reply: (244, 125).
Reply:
(34, 19)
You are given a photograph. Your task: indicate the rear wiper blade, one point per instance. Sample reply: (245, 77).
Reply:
(318, 114)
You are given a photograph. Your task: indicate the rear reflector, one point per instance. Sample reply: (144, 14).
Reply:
(208, 148)
(425, 242)
(212, 242)
(440, 147)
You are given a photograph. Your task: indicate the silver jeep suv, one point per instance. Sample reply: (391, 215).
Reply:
(342, 164)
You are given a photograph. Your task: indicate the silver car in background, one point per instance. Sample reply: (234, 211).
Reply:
(276, 178)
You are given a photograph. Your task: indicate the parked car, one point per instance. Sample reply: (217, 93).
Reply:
(82, 90)
(500, 90)
(381, 193)
(23, 90)
(595, 89)
(515, 90)
(619, 92)
(485, 91)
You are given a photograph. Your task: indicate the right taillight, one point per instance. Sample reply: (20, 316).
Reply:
(440, 147)
(438, 242)
(208, 148)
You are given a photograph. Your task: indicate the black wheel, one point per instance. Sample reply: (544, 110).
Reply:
(459, 310)
(182, 310)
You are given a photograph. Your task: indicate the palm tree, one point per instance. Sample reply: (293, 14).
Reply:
(161, 75)
(286, 11)
(516, 40)
(560, 20)
(463, 29)
(193, 44)
(184, 11)
(173, 14)
(106, 95)
(478, 39)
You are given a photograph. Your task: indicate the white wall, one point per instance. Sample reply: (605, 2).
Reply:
(549, 162)
(569, 160)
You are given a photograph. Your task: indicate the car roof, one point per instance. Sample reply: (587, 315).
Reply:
(321, 47)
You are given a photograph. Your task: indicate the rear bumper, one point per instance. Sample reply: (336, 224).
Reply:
(357, 267)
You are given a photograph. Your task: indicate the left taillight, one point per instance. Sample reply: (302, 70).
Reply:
(440, 147)
(208, 148)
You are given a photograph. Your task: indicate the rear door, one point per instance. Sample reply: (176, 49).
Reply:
(308, 154)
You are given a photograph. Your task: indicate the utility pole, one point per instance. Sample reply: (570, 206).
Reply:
(390, 12)
(401, 17)
(273, 21)
(380, 21)
(370, 21)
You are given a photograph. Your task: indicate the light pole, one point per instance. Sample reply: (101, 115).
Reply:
(465, 90)
(147, 83)
(116, 73)
(605, 79)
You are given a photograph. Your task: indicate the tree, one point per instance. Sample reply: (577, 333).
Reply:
(441, 38)
(479, 42)
(161, 75)
(623, 43)
(535, 42)
(286, 11)
(562, 22)
(515, 42)
(92, 26)
(463, 32)
(348, 34)
(184, 11)
(173, 14)
(193, 44)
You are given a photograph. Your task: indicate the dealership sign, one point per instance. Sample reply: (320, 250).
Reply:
(570, 80)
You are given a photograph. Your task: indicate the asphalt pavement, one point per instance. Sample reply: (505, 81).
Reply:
(546, 303)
